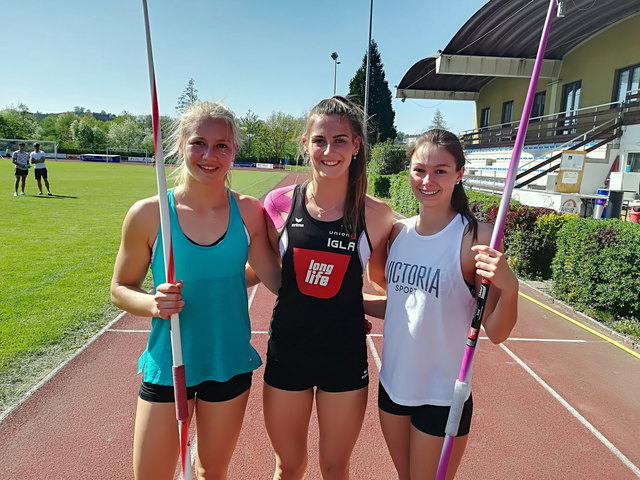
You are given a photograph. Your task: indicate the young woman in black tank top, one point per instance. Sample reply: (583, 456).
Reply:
(317, 345)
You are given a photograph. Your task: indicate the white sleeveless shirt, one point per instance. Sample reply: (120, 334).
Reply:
(429, 310)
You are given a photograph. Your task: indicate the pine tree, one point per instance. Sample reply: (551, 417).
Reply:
(438, 121)
(380, 111)
(188, 97)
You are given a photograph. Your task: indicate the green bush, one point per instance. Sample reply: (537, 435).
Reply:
(387, 158)
(519, 217)
(379, 185)
(402, 199)
(484, 206)
(532, 250)
(597, 267)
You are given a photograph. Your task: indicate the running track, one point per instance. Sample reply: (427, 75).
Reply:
(554, 401)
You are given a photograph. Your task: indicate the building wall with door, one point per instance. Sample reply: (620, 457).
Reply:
(594, 63)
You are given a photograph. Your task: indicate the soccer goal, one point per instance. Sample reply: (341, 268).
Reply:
(134, 155)
(10, 145)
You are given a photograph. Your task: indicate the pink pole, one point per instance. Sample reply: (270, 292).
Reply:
(463, 387)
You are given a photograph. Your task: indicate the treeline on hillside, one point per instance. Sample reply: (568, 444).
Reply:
(272, 139)
(275, 139)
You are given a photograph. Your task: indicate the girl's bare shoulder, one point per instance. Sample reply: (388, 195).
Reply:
(376, 205)
(250, 208)
(146, 210)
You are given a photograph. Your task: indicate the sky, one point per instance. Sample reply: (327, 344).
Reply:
(258, 55)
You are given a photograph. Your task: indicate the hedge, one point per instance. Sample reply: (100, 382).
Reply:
(529, 245)
(378, 185)
(402, 199)
(597, 267)
(594, 264)
(387, 158)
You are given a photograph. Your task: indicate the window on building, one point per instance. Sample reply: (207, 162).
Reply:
(627, 79)
(570, 104)
(484, 117)
(507, 113)
(538, 106)
(634, 161)
(571, 98)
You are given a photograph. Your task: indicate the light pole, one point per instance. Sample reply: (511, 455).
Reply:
(366, 81)
(334, 56)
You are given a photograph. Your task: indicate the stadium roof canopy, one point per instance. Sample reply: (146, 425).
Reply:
(501, 40)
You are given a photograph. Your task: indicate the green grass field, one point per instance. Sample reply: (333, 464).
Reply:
(57, 259)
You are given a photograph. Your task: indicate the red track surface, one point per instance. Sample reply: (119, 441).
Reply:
(79, 425)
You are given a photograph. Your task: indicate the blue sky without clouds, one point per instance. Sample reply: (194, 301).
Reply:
(270, 55)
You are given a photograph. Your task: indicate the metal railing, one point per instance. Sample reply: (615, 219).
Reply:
(559, 127)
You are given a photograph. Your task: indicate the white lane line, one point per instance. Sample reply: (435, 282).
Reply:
(518, 339)
(575, 413)
(253, 295)
(259, 332)
(126, 331)
(374, 352)
(53, 372)
(557, 340)
(122, 330)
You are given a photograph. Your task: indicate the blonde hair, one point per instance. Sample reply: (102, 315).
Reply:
(354, 203)
(184, 126)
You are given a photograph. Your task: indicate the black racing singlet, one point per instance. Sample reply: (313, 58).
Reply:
(319, 308)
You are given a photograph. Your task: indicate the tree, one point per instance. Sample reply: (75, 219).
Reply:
(62, 125)
(81, 134)
(126, 135)
(279, 136)
(18, 122)
(188, 97)
(250, 127)
(438, 121)
(381, 114)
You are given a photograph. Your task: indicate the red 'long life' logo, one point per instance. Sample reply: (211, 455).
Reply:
(319, 274)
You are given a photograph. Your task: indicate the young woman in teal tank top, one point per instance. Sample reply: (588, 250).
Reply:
(215, 231)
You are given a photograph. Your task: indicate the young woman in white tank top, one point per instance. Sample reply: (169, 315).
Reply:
(435, 264)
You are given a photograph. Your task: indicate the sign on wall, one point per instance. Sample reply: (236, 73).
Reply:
(571, 169)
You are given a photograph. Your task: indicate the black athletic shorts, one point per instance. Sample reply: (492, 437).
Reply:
(429, 419)
(330, 376)
(21, 172)
(209, 391)
(40, 173)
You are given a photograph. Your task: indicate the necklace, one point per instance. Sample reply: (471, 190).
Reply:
(321, 211)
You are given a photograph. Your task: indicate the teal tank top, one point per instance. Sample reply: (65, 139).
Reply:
(214, 323)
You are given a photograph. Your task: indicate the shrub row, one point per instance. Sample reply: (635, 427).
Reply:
(594, 264)
(387, 158)
(597, 267)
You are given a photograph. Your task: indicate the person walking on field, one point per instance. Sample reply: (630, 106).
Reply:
(327, 230)
(214, 232)
(435, 264)
(40, 169)
(20, 159)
